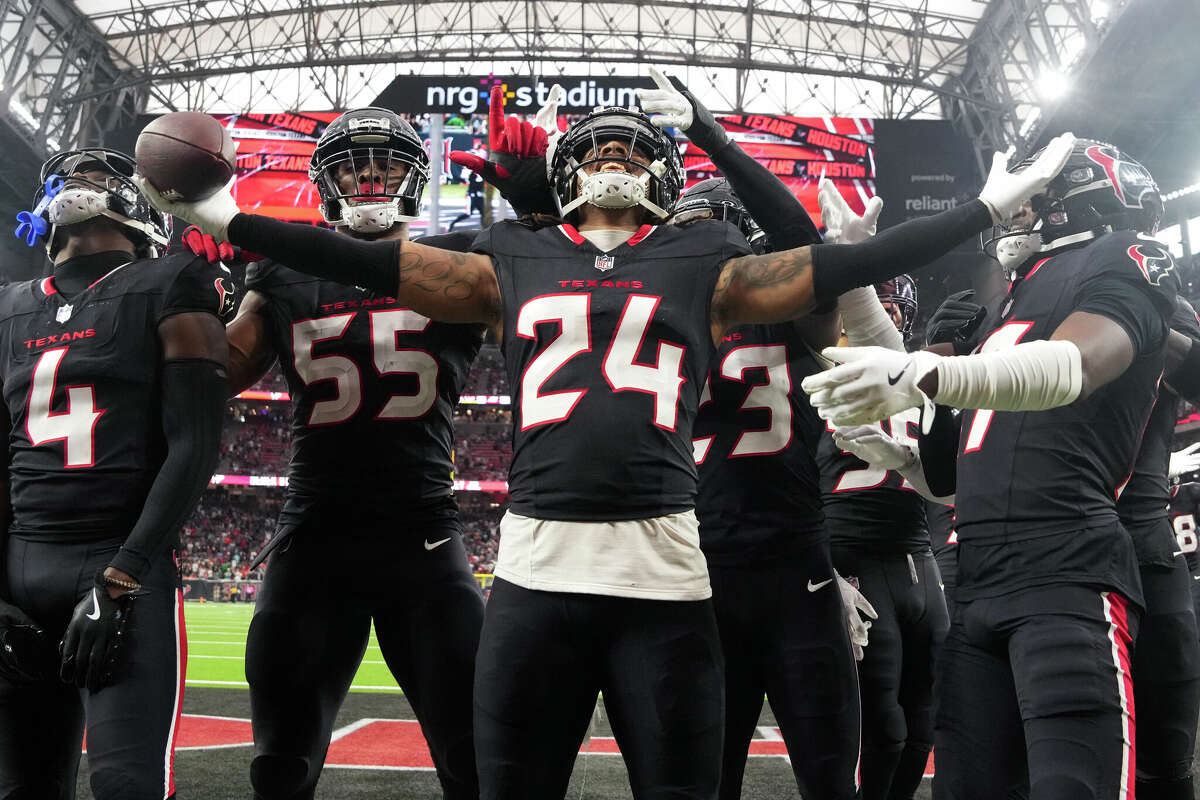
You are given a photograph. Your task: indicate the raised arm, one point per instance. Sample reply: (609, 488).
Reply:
(779, 286)
(443, 285)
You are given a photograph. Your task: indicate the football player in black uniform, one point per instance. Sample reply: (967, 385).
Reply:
(608, 324)
(1184, 510)
(762, 532)
(879, 534)
(373, 386)
(1034, 684)
(1166, 664)
(114, 384)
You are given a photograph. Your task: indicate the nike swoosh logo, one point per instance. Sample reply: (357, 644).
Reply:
(892, 380)
(1196, 577)
(812, 587)
(95, 606)
(429, 546)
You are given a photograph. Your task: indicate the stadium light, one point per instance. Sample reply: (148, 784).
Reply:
(1100, 11)
(1053, 84)
(1182, 192)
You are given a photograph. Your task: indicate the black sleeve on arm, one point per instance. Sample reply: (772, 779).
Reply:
(193, 400)
(770, 203)
(837, 268)
(939, 451)
(320, 252)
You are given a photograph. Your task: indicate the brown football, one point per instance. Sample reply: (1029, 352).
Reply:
(187, 155)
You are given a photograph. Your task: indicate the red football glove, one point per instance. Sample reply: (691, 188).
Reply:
(202, 244)
(517, 166)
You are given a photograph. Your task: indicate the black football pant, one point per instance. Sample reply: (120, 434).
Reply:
(131, 724)
(544, 656)
(1035, 697)
(789, 642)
(310, 629)
(896, 674)
(1193, 565)
(1166, 673)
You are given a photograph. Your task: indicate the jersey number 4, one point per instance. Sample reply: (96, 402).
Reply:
(387, 358)
(571, 313)
(75, 427)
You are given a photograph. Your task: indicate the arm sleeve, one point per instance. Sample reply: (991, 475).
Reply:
(770, 203)
(193, 400)
(837, 268)
(320, 252)
(865, 321)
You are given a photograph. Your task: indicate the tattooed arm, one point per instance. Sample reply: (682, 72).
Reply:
(762, 289)
(441, 284)
(446, 285)
(784, 285)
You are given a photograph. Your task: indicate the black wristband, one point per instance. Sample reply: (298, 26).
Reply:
(320, 252)
(1185, 380)
(837, 268)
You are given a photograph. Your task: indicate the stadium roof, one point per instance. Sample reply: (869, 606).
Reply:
(69, 63)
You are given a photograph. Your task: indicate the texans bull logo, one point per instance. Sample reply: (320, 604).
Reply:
(1129, 181)
(1154, 262)
(225, 296)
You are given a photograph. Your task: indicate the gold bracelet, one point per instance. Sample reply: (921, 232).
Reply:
(133, 587)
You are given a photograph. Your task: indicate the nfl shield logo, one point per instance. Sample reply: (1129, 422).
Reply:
(605, 262)
(64, 314)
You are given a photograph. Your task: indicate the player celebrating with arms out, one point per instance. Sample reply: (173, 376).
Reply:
(1035, 693)
(114, 390)
(610, 320)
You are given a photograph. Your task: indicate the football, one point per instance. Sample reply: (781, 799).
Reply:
(187, 155)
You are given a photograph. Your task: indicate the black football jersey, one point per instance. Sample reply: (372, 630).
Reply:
(373, 388)
(754, 439)
(869, 506)
(82, 387)
(943, 539)
(1146, 495)
(1184, 511)
(606, 354)
(1027, 479)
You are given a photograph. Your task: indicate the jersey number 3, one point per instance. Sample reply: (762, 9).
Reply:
(387, 358)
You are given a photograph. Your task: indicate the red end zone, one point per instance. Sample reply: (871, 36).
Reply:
(398, 743)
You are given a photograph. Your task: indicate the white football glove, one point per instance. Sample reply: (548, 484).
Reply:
(672, 108)
(1005, 191)
(870, 384)
(853, 602)
(842, 225)
(211, 215)
(1184, 461)
(875, 447)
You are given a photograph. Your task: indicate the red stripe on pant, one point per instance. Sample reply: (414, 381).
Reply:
(1116, 611)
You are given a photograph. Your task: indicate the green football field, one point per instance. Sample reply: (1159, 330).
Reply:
(216, 634)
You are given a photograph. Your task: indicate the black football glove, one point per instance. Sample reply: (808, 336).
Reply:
(27, 653)
(95, 638)
(955, 322)
(672, 105)
(516, 165)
